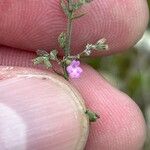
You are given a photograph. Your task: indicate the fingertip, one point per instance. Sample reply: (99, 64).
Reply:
(40, 111)
(121, 125)
(122, 23)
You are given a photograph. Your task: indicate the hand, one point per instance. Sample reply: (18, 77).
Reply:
(27, 25)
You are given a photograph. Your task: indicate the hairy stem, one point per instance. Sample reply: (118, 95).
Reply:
(69, 28)
(65, 72)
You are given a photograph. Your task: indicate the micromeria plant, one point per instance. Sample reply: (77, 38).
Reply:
(70, 64)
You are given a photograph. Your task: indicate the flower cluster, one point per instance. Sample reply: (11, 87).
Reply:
(70, 64)
(71, 69)
(74, 70)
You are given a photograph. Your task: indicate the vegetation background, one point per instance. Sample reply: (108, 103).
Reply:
(130, 72)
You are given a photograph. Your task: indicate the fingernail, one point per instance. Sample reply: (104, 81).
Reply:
(40, 111)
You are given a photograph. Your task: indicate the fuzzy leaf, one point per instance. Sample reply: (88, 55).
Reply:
(92, 115)
(41, 52)
(42, 60)
(53, 54)
(79, 4)
(76, 5)
(47, 63)
(38, 60)
(78, 16)
(64, 7)
(85, 1)
(101, 45)
(62, 39)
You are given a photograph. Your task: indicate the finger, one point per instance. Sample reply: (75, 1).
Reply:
(30, 24)
(121, 125)
(39, 111)
(111, 107)
(16, 57)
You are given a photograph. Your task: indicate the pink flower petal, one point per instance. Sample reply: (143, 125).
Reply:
(70, 69)
(74, 70)
(79, 70)
(75, 63)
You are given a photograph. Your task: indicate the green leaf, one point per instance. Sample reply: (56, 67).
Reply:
(62, 39)
(41, 52)
(101, 45)
(80, 3)
(38, 60)
(92, 115)
(42, 60)
(78, 16)
(85, 1)
(65, 8)
(53, 54)
(47, 63)
(77, 5)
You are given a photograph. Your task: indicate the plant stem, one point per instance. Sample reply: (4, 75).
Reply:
(69, 28)
(65, 72)
(58, 72)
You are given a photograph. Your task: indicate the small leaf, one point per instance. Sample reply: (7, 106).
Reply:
(62, 39)
(78, 16)
(92, 115)
(77, 5)
(64, 7)
(53, 54)
(47, 63)
(42, 60)
(88, 49)
(41, 52)
(101, 45)
(85, 1)
(38, 60)
(80, 3)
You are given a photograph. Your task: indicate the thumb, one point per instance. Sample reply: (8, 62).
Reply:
(39, 112)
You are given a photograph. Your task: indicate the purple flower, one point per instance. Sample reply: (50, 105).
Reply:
(74, 70)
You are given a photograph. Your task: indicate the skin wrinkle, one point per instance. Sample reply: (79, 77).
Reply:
(42, 32)
(5, 6)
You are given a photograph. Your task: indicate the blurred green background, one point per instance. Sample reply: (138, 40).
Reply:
(130, 72)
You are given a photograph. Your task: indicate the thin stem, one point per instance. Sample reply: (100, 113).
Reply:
(78, 56)
(69, 28)
(65, 72)
(58, 72)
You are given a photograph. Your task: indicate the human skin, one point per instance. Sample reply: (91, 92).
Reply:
(28, 25)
